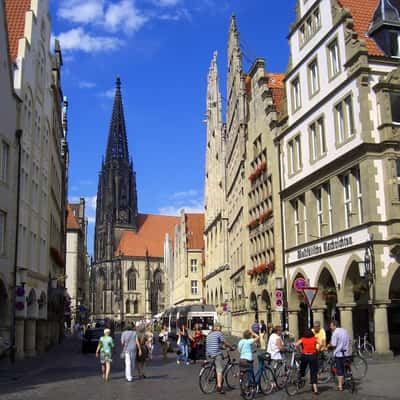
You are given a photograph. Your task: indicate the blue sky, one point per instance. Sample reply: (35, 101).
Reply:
(162, 50)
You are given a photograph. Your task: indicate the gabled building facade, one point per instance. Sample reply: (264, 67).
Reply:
(41, 230)
(340, 165)
(8, 178)
(188, 260)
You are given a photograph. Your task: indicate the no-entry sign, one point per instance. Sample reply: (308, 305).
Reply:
(299, 284)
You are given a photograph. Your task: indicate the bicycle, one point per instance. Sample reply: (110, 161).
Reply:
(329, 374)
(359, 367)
(363, 347)
(263, 381)
(230, 373)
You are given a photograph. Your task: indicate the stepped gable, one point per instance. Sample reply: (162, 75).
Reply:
(362, 13)
(149, 237)
(195, 231)
(72, 222)
(15, 15)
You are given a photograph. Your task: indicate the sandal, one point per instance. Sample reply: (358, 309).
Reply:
(339, 389)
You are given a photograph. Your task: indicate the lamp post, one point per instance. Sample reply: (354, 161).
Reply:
(367, 273)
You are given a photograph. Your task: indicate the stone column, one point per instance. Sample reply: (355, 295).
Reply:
(19, 338)
(41, 336)
(346, 318)
(294, 323)
(382, 345)
(277, 318)
(30, 338)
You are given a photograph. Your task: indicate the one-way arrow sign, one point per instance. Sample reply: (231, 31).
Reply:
(310, 293)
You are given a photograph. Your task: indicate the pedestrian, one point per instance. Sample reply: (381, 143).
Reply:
(256, 327)
(275, 345)
(320, 334)
(149, 340)
(263, 335)
(308, 345)
(183, 343)
(197, 344)
(129, 343)
(340, 343)
(163, 339)
(214, 342)
(104, 350)
(245, 348)
(142, 353)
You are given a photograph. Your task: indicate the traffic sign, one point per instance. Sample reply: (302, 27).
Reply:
(279, 300)
(310, 293)
(299, 284)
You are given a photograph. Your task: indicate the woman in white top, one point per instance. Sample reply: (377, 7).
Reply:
(275, 344)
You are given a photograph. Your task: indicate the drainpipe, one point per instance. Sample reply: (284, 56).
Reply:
(18, 134)
(285, 289)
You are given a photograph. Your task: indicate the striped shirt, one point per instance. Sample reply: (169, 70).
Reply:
(214, 342)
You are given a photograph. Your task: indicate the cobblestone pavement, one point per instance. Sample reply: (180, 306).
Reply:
(66, 373)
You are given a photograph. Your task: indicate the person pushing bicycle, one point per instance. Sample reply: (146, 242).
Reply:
(215, 341)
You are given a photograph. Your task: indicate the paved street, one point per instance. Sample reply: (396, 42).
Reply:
(65, 372)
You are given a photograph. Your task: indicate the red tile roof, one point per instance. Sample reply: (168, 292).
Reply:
(15, 14)
(277, 88)
(195, 231)
(362, 13)
(72, 222)
(149, 237)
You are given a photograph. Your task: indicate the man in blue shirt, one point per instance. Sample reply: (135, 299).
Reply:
(214, 342)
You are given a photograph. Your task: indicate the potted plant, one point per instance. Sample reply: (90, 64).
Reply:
(329, 294)
(360, 287)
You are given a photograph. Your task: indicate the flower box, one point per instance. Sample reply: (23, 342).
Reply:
(253, 224)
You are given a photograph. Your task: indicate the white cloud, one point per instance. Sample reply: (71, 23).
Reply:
(81, 11)
(86, 85)
(166, 3)
(109, 94)
(78, 39)
(124, 15)
(176, 210)
(177, 15)
(182, 195)
(91, 220)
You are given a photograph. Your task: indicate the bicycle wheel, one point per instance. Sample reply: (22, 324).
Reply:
(267, 381)
(208, 379)
(232, 376)
(367, 350)
(280, 375)
(324, 370)
(247, 386)
(359, 367)
(293, 382)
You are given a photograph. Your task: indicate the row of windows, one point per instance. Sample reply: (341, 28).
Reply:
(310, 27)
(313, 75)
(344, 130)
(313, 213)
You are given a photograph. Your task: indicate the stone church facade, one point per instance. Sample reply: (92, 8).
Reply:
(128, 273)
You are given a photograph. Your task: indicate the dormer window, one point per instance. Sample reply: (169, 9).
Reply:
(385, 27)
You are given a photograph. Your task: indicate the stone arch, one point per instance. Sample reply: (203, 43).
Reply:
(394, 311)
(221, 295)
(293, 297)
(4, 309)
(253, 304)
(31, 305)
(327, 296)
(355, 291)
(266, 309)
(42, 303)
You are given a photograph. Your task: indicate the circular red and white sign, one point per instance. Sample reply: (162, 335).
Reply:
(299, 284)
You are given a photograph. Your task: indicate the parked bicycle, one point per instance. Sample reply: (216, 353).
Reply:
(230, 373)
(263, 381)
(363, 347)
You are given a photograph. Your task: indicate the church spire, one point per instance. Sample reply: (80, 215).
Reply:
(117, 147)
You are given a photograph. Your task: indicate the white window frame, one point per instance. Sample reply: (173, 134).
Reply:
(359, 195)
(194, 288)
(297, 141)
(3, 221)
(320, 211)
(346, 182)
(291, 152)
(322, 138)
(348, 103)
(313, 77)
(334, 58)
(330, 209)
(296, 94)
(193, 265)
(314, 141)
(340, 120)
(296, 220)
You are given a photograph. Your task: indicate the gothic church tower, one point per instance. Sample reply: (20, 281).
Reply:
(117, 208)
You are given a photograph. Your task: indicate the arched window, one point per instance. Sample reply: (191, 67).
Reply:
(128, 307)
(136, 307)
(132, 280)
